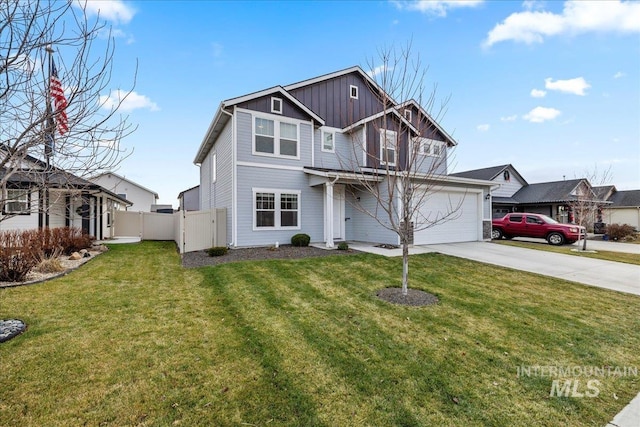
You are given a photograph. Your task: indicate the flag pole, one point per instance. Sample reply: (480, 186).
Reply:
(50, 126)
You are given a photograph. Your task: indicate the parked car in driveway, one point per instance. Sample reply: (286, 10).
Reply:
(518, 224)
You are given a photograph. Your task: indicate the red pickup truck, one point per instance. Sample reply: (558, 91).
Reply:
(519, 224)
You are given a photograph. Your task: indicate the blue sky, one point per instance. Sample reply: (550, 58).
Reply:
(550, 87)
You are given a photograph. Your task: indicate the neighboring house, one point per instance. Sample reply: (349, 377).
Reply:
(189, 200)
(141, 198)
(38, 196)
(556, 199)
(624, 208)
(287, 160)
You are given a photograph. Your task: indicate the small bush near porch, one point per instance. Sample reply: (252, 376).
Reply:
(132, 338)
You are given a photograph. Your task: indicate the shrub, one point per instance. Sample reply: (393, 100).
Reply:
(300, 239)
(50, 265)
(343, 246)
(17, 255)
(619, 231)
(217, 251)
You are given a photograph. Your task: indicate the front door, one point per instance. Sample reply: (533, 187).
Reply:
(338, 212)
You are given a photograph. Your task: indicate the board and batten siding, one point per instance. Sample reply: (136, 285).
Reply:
(310, 205)
(331, 100)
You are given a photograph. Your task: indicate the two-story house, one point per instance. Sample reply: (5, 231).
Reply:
(293, 159)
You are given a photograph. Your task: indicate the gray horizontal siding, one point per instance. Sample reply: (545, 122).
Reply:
(311, 205)
(363, 227)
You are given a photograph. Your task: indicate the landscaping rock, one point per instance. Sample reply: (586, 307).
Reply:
(75, 256)
(11, 328)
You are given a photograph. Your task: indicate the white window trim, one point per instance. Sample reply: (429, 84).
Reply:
(277, 193)
(25, 194)
(333, 139)
(276, 136)
(214, 167)
(383, 139)
(430, 143)
(408, 116)
(274, 101)
(351, 91)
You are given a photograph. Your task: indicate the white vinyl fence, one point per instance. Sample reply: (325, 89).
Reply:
(192, 231)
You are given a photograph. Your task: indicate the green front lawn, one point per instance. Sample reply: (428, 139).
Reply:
(569, 250)
(132, 338)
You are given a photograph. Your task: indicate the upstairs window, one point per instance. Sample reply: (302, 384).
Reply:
(353, 92)
(17, 202)
(265, 136)
(276, 105)
(328, 141)
(274, 138)
(429, 147)
(408, 114)
(388, 144)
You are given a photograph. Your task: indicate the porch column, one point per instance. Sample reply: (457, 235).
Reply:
(328, 214)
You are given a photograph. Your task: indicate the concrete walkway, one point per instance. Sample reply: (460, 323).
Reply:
(594, 272)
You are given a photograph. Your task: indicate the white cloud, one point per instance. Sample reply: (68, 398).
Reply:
(575, 86)
(436, 7)
(127, 101)
(483, 127)
(619, 75)
(111, 10)
(541, 114)
(512, 118)
(537, 93)
(576, 17)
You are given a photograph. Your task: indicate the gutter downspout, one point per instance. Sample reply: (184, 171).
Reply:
(234, 175)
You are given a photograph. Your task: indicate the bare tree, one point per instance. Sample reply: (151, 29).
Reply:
(74, 138)
(404, 167)
(588, 202)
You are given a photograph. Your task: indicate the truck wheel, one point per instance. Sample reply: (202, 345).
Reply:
(496, 234)
(555, 239)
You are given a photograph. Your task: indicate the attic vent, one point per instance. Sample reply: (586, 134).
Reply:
(507, 176)
(276, 105)
(353, 92)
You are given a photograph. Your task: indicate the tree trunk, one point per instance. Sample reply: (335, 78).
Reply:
(405, 267)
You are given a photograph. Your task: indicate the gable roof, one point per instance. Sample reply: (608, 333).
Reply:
(59, 179)
(450, 141)
(625, 199)
(122, 178)
(548, 192)
(490, 173)
(378, 115)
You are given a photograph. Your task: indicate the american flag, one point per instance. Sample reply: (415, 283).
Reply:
(59, 100)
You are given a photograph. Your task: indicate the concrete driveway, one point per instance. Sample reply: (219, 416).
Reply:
(604, 274)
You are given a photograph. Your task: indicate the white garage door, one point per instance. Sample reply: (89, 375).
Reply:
(463, 227)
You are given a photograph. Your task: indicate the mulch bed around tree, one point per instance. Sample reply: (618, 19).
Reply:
(414, 297)
(202, 258)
